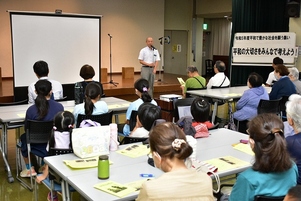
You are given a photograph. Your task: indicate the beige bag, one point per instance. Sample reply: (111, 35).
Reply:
(91, 141)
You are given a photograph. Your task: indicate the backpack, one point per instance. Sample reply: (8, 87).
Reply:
(186, 124)
(88, 123)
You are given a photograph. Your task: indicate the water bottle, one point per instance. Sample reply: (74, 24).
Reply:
(103, 167)
(113, 137)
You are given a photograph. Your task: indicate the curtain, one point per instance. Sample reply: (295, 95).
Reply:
(256, 16)
(220, 37)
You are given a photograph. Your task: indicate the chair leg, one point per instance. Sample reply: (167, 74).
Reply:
(35, 190)
(19, 166)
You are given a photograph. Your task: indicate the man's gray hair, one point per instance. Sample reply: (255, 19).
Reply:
(293, 110)
(294, 72)
(192, 69)
(220, 65)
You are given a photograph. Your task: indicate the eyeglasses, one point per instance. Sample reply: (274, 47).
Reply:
(248, 131)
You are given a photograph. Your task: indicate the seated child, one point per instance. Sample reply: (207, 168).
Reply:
(147, 114)
(200, 109)
(60, 138)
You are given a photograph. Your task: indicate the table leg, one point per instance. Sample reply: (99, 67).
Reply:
(214, 112)
(116, 118)
(67, 191)
(3, 150)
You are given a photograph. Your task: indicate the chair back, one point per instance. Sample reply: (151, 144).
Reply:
(180, 103)
(129, 140)
(56, 151)
(103, 119)
(188, 95)
(268, 198)
(133, 119)
(282, 106)
(38, 131)
(268, 106)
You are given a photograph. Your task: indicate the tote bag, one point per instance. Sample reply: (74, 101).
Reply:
(91, 141)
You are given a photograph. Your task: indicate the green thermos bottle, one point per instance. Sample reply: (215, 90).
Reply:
(103, 167)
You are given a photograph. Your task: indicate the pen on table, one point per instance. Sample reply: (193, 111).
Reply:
(146, 175)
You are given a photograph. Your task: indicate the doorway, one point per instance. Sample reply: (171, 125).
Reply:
(175, 53)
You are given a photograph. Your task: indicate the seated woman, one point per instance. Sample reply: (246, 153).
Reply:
(141, 89)
(147, 114)
(195, 81)
(293, 111)
(169, 149)
(44, 109)
(92, 105)
(284, 86)
(246, 107)
(200, 109)
(273, 172)
(87, 73)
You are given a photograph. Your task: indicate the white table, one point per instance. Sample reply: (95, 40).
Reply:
(126, 169)
(16, 113)
(122, 174)
(226, 94)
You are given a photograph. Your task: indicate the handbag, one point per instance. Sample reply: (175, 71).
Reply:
(209, 169)
(91, 141)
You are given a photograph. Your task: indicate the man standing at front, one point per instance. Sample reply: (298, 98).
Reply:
(149, 57)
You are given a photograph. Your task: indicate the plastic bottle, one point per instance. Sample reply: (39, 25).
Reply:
(113, 137)
(103, 167)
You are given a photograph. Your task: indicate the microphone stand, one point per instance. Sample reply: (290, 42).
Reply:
(111, 80)
(162, 59)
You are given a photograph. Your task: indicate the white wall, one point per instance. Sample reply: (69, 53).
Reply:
(129, 22)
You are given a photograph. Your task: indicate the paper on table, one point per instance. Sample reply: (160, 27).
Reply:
(70, 109)
(135, 151)
(83, 163)
(113, 106)
(181, 81)
(21, 115)
(137, 184)
(115, 188)
(244, 148)
(227, 163)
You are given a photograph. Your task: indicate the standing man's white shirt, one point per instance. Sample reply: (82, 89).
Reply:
(218, 80)
(271, 79)
(57, 90)
(148, 55)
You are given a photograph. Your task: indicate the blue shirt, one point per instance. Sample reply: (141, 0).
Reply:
(133, 106)
(250, 183)
(293, 144)
(246, 107)
(283, 87)
(100, 107)
(54, 108)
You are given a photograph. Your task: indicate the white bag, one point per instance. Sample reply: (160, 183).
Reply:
(91, 141)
